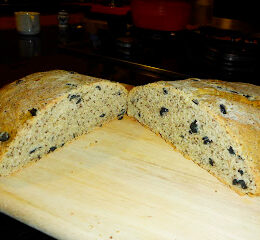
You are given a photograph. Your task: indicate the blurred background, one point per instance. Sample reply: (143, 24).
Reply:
(176, 38)
(197, 38)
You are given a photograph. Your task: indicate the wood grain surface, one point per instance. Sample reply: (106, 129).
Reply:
(123, 182)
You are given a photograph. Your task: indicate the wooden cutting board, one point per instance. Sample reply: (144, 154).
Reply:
(124, 182)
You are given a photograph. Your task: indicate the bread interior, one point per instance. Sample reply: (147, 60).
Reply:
(68, 117)
(180, 120)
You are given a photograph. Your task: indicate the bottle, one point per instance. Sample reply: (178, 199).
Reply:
(63, 19)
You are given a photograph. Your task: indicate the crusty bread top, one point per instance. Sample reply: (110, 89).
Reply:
(20, 99)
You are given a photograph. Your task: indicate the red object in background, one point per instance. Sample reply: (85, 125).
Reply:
(97, 7)
(163, 15)
(120, 11)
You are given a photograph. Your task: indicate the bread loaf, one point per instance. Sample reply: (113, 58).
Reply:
(43, 111)
(214, 123)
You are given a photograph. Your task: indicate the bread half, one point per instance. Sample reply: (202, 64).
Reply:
(43, 111)
(214, 123)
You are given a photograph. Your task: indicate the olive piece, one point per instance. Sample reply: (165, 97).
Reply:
(4, 136)
(33, 111)
(193, 127)
(223, 109)
(163, 111)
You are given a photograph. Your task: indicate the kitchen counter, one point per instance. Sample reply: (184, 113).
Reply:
(151, 56)
(22, 55)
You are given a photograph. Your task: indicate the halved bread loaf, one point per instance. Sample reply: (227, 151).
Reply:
(215, 123)
(43, 111)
